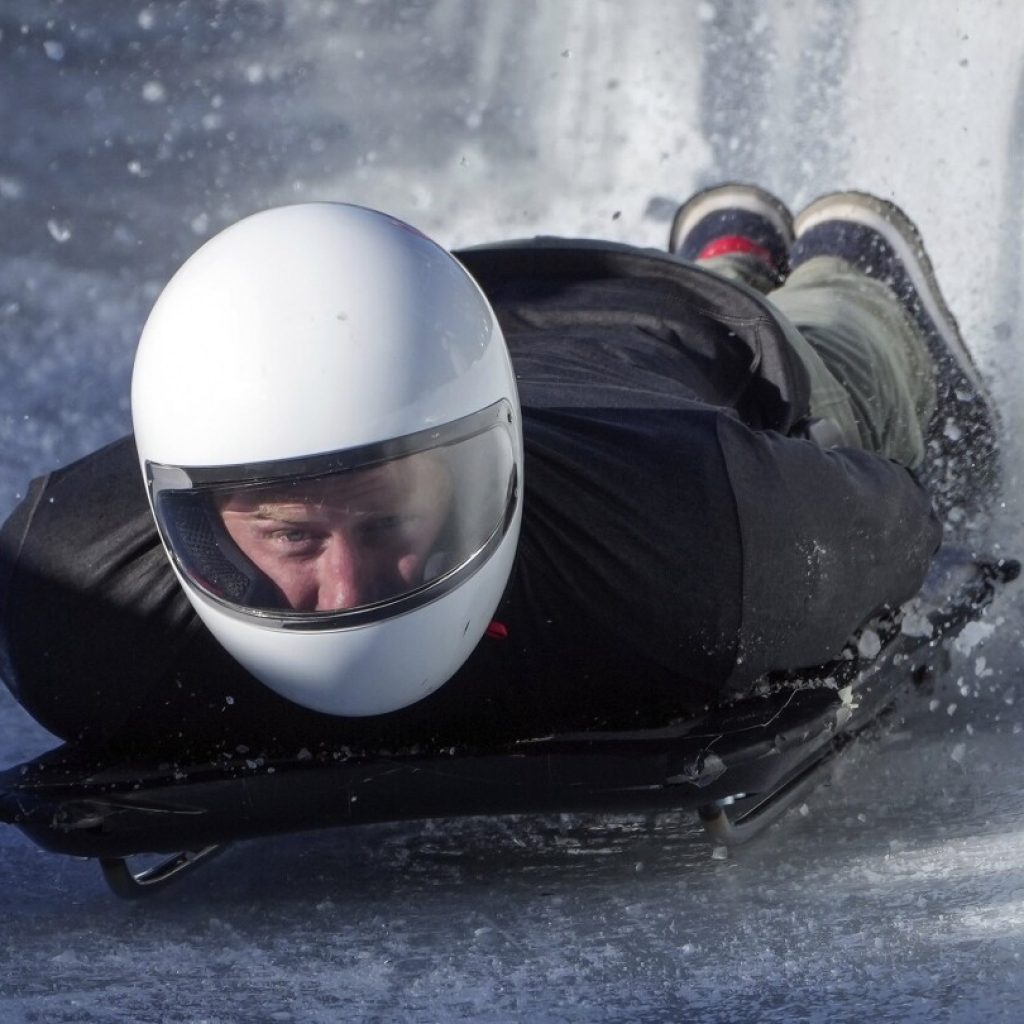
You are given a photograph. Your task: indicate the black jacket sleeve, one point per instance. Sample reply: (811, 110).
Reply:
(828, 538)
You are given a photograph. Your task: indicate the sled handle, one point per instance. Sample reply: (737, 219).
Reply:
(134, 885)
(730, 830)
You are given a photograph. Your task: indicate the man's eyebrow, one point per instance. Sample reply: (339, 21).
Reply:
(263, 512)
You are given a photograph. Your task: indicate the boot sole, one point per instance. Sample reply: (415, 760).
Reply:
(901, 234)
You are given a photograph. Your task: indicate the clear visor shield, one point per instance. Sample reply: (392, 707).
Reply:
(348, 536)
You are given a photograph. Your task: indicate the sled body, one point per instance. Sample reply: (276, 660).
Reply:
(739, 765)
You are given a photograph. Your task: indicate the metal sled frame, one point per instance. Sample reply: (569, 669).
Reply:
(739, 766)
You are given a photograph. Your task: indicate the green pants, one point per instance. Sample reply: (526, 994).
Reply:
(869, 368)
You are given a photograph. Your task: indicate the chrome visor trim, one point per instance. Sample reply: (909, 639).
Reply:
(204, 480)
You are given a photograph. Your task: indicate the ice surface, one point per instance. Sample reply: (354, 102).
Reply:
(915, 623)
(132, 132)
(868, 644)
(973, 634)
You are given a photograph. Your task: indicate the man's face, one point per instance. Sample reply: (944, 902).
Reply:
(343, 542)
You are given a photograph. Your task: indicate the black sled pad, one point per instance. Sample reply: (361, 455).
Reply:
(740, 765)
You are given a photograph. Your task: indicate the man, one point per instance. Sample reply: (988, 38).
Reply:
(414, 501)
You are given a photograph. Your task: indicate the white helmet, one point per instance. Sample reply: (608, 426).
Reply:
(329, 430)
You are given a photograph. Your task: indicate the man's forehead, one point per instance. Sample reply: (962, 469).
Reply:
(304, 493)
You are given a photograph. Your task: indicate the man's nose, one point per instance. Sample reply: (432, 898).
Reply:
(343, 575)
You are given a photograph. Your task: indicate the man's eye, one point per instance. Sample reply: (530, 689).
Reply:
(383, 527)
(296, 536)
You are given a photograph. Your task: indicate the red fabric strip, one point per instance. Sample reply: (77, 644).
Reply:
(729, 244)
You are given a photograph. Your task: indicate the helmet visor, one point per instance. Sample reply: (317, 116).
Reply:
(348, 536)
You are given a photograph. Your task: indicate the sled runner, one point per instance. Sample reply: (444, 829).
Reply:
(740, 766)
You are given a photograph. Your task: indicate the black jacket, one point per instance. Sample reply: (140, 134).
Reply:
(674, 531)
(678, 541)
